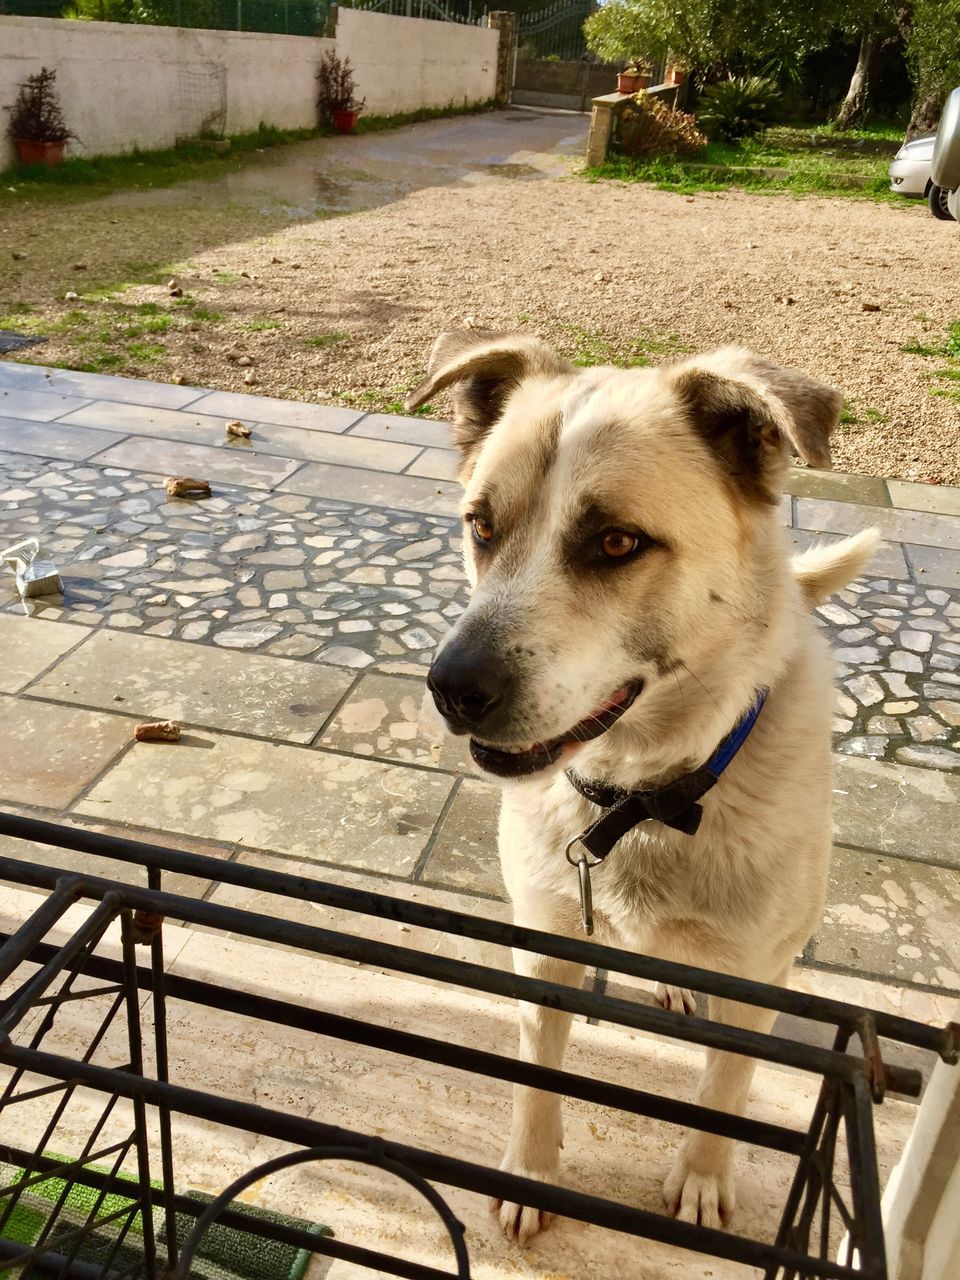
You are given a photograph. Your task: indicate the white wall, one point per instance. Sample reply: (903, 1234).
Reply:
(124, 86)
(402, 64)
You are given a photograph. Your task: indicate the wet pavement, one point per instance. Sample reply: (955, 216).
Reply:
(328, 176)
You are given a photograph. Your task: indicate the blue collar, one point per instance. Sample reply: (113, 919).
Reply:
(676, 804)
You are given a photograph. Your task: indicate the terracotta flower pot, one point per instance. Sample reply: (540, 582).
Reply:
(345, 121)
(630, 83)
(31, 152)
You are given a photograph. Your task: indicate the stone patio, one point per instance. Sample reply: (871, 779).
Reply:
(288, 621)
(329, 554)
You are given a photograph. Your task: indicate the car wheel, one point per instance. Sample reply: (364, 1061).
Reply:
(937, 200)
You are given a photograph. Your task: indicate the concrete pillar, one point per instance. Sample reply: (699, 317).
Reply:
(601, 126)
(506, 23)
(921, 1205)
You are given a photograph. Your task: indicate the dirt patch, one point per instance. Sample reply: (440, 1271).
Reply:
(344, 309)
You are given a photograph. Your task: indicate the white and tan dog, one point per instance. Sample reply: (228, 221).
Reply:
(632, 591)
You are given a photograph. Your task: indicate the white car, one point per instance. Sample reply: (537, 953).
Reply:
(910, 175)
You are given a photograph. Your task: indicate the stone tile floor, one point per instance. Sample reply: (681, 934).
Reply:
(328, 552)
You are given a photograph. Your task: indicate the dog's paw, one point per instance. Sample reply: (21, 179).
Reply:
(519, 1222)
(676, 999)
(707, 1198)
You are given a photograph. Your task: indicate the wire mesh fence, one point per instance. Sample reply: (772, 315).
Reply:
(286, 17)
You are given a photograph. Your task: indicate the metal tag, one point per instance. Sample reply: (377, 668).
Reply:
(586, 894)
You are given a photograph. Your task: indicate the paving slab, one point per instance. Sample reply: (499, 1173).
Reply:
(940, 498)
(37, 406)
(464, 854)
(839, 486)
(322, 807)
(94, 386)
(96, 864)
(437, 464)
(406, 493)
(896, 809)
(206, 462)
(895, 523)
(53, 439)
(422, 431)
(393, 718)
(163, 679)
(376, 928)
(896, 920)
(287, 413)
(29, 645)
(268, 437)
(49, 754)
(934, 565)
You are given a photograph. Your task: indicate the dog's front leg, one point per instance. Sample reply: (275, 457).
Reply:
(700, 1187)
(536, 1133)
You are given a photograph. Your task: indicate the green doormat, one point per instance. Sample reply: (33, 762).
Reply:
(224, 1253)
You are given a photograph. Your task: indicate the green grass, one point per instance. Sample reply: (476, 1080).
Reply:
(592, 348)
(146, 350)
(258, 326)
(326, 339)
(948, 349)
(379, 124)
(852, 415)
(789, 158)
(386, 399)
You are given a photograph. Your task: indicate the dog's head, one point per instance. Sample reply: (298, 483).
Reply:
(617, 533)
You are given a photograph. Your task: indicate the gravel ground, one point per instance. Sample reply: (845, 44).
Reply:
(605, 271)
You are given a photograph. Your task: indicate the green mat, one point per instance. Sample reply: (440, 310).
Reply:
(224, 1253)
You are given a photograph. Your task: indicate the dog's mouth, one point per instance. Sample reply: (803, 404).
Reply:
(518, 764)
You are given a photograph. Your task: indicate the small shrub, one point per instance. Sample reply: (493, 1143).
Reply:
(36, 114)
(337, 88)
(737, 108)
(650, 128)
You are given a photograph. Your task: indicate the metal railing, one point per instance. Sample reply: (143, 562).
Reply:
(42, 980)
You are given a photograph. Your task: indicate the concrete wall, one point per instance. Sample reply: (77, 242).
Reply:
(402, 64)
(124, 86)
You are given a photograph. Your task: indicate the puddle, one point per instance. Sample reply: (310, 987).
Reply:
(334, 176)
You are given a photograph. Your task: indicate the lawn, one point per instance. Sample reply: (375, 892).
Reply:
(802, 159)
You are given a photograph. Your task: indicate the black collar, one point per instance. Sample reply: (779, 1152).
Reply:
(675, 805)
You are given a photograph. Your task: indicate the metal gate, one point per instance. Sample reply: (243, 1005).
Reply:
(553, 67)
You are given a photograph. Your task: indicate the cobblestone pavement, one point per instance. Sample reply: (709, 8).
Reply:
(288, 621)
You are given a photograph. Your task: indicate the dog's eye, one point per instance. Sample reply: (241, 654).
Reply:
(482, 528)
(616, 544)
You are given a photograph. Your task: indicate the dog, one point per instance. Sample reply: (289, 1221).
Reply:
(632, 600)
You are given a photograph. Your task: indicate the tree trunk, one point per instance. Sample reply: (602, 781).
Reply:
(926, 113)
(853, 108)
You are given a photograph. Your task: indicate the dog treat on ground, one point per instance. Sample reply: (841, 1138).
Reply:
(158, 731)
(237, 428)
(146, 925)
(184, 486)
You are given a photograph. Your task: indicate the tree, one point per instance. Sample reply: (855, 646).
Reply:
(876, 25)
(709, 36)
(933, 54)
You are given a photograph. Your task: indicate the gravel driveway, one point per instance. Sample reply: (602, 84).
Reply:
(480, 220)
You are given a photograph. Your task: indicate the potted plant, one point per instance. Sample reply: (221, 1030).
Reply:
(634, 77)
(37, 126)
(337, 100)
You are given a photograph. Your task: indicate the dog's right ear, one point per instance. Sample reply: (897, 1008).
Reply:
(484, 369)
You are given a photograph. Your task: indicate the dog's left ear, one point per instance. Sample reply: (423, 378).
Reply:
(752, 414)
(484, 368)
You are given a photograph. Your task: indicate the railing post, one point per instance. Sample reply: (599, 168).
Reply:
(506, 23)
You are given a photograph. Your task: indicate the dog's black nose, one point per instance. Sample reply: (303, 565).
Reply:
(467, 686)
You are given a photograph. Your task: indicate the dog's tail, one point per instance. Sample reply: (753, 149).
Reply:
(821, 571)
